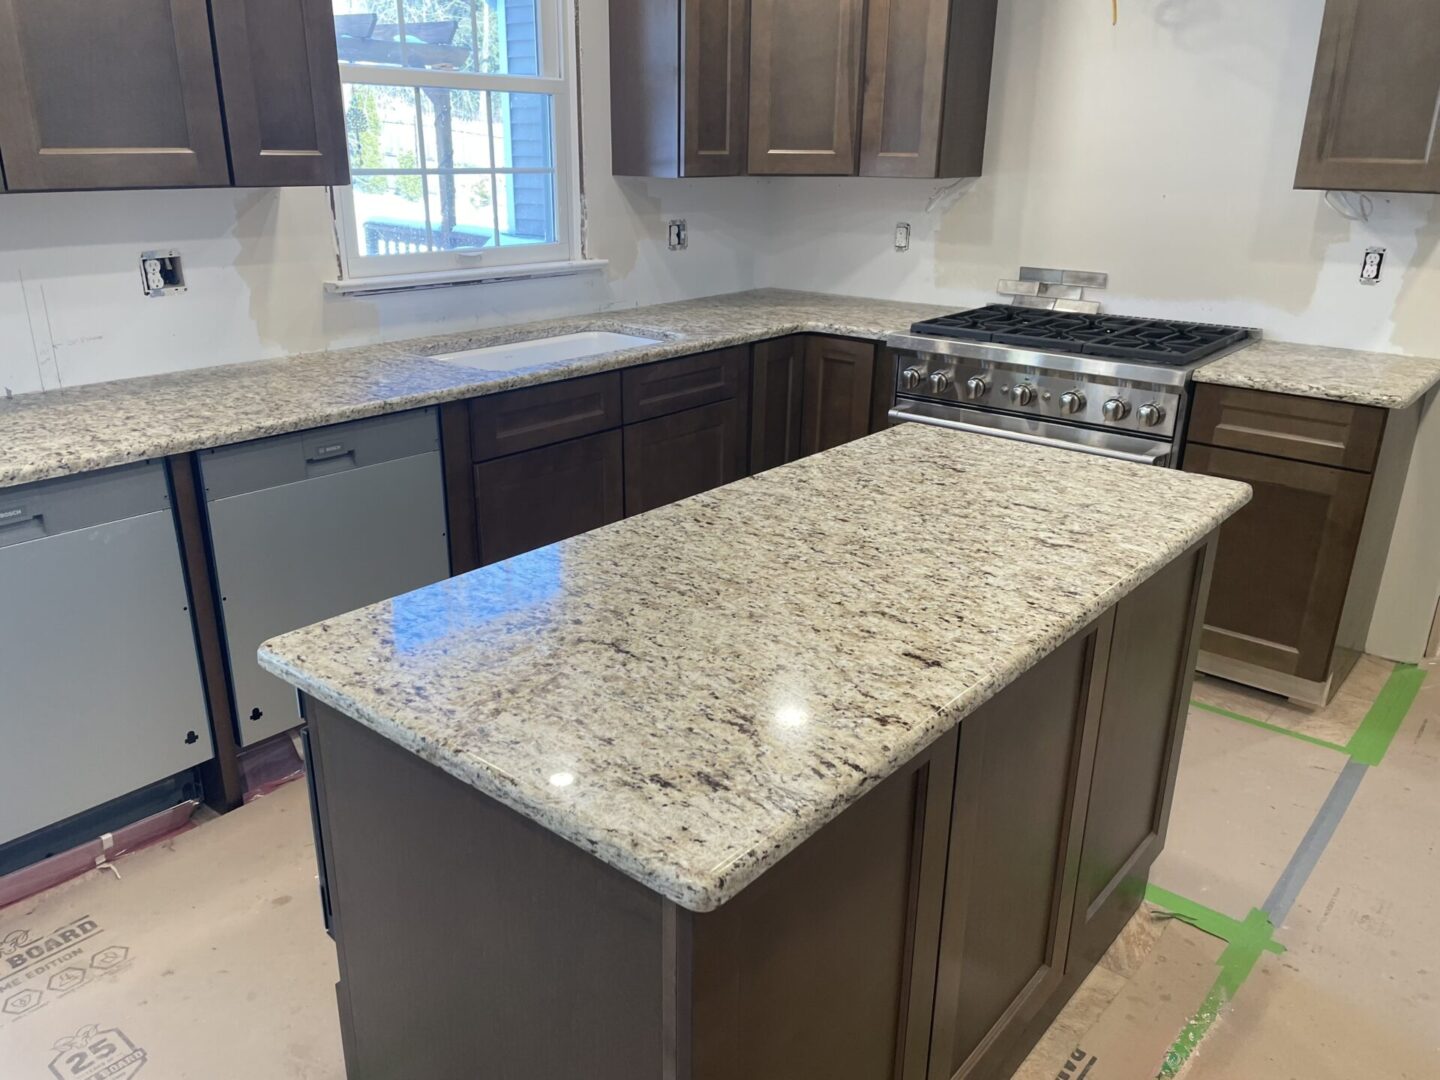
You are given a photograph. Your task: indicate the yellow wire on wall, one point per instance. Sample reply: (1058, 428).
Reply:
(1114, 12)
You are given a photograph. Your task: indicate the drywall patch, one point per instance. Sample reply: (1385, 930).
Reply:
(1417, 314)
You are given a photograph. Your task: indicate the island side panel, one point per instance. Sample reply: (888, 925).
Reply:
(825, 965)
(472, 941)
(1142, 727)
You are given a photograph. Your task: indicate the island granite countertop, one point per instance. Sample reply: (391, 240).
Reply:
(1385, 380)
(62, 432)
(691, 693)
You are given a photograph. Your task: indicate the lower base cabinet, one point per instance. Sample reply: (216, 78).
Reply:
(812, 393)
(932, 931)
(542, 496)
(673, 457)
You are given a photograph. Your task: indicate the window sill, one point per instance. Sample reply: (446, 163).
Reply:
(469, 275)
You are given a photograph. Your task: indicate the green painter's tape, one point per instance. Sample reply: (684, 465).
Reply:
(1245, 942)
(1372, 739)
(1276, 728)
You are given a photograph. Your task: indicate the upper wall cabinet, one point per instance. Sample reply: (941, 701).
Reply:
(1372, 123)
(927, 87)
(281, 83)
(800, 87)
(678, 84)
(109, 95)
(805, 86)
(125, 95)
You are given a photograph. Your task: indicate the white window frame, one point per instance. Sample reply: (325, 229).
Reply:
(555, 19)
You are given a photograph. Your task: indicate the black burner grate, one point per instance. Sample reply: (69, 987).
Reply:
(1155, 341)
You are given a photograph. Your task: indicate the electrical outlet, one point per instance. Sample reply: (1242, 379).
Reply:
(161, 273)
(902, 236)
(679, 235)
(1371, 267)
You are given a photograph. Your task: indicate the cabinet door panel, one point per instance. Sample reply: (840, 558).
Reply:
(824, 967)
(904, 87)
(1286, 426)
(777, 394)
(683, 454)
(281, 82)
(1284, 560)
(544, 496)
(839, 382)
(1137, 751)
(1014, 854)
(716, 86)
(1372, 123)
(109, 95)
(804, 86)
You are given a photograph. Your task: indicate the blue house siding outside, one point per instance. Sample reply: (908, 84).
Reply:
(530, 205)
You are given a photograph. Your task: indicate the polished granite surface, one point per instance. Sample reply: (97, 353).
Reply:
(691, 693)
(61, 432)
(1359, 378)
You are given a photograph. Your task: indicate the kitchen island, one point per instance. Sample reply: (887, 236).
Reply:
(850, 770)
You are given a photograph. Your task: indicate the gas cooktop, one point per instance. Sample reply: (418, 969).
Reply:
(1151, 341)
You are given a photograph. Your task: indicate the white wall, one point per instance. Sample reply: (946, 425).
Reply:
(71, 309)
(1162, 151)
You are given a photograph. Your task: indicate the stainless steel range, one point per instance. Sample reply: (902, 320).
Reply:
(1104, 384)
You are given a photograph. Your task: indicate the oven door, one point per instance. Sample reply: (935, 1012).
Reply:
(1040, 432)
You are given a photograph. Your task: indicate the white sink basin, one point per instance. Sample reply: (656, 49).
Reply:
(519, 354)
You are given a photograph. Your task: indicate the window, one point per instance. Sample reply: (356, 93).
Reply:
(457, 115)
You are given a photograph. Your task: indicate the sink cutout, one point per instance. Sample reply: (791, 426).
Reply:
(520, 354)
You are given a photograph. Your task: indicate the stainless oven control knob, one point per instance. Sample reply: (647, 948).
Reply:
(1022, 394)
(976, 387)
(1072, 401)
(911, 378)
(1116, 410)
(939, 382)
(1150, 414)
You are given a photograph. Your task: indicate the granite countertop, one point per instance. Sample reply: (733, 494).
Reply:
(691, 693)
(61, 432)
(1360, 378)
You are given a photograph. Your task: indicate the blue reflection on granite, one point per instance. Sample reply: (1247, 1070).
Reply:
(515, 587)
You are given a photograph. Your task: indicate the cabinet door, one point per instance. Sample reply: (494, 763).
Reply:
(716, 86)
(777, 393)
(1284, 562)
(825, 966)
(839, 382)
(1372, 123)
(116, 95)
(281, 82)
(904, 87)
(544, 496)
(1137, 752)
(683, 454)
(1007, 920)
(804, 86)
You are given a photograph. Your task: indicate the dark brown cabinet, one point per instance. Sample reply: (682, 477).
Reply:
(539, 497)
(1006, 920)
(1284, 569)
(805, 86)
(96, 96)
(1372, 123)
(109, 95)
(679, 87)
(839, 382)
(281, 85)
(927, 87)
(777, 402)
(676, 456)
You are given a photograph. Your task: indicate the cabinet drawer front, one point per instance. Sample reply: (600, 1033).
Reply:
(539, 415)
(674, 385)
(547, 495)
(1282, 425)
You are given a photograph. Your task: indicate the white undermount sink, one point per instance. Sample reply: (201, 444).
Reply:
(519, 354)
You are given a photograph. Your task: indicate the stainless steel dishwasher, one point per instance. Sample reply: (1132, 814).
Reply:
(314, 524)
(100, 690)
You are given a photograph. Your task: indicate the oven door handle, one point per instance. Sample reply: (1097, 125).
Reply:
(1154, 456)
